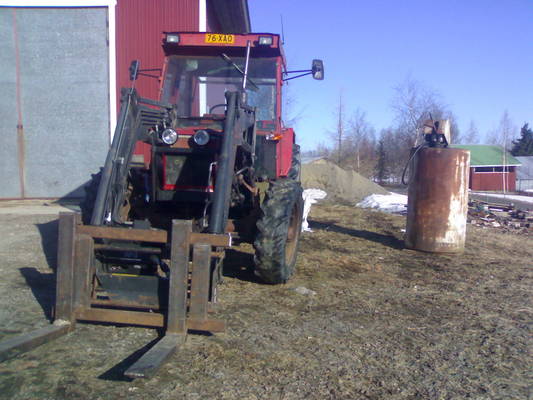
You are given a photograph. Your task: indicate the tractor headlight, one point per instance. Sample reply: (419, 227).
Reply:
(169, 136)
(201, 138)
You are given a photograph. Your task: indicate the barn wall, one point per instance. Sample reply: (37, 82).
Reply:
(9, 170)
(139, 27)
(55, 86)
(138, 34)
(492, 181)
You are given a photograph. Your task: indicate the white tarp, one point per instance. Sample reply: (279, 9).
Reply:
(310, 196)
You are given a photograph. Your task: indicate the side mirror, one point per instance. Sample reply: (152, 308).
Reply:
(134, 70)
(317, 70)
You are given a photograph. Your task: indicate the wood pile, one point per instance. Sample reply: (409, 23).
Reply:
(506, 217)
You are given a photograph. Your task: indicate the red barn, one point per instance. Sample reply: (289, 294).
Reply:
(491, 168)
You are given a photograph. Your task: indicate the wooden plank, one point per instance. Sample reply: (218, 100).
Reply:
(154, 358)
(65, 267)
(151, 235)
(150, 319)
(179, 271)
(154, 320)
(83, 271)
(212, 238)
(200, 281)
(141, 235)
(20, 344)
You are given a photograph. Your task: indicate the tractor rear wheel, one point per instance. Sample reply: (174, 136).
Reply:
(278, 231)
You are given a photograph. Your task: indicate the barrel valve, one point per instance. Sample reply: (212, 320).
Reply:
(436, 133)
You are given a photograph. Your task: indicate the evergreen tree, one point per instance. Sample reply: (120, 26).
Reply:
(382, 168)
(524, 145)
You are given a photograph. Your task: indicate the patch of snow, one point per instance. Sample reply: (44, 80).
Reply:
(304, 291)
(392, 203)
(310, 196)
(515, 197)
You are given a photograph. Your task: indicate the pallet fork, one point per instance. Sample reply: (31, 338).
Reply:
(191, 285)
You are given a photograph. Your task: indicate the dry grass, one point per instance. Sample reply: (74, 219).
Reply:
(385, 323)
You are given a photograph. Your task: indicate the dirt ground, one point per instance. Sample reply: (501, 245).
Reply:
(378, 322)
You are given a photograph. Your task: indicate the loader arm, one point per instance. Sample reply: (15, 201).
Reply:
(133, 123)
(238, 132)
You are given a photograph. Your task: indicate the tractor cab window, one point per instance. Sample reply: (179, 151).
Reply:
(197, 85)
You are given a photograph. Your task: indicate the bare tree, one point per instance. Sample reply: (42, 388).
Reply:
(339, 135)
(321, 150)
(413, 103)
(472, 134)
(503, 137)
(505, 133)
(361, 144)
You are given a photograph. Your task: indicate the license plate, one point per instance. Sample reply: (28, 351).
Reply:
(219, 38)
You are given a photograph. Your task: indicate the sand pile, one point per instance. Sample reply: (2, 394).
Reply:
(344, 186)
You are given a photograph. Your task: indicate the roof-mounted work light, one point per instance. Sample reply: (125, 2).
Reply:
(173, 38)
(265, 40)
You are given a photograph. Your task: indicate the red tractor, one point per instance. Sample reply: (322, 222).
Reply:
(218, 165)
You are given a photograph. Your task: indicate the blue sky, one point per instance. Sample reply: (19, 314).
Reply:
(477, 54)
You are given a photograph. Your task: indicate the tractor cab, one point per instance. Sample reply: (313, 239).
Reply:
(201, 67)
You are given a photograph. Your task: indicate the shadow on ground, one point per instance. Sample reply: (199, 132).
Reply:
(387, 240)
(240, 265)
(48, 232)
(43, 287)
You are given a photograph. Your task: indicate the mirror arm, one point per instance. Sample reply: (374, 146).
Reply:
(309, 72)
(151, 76)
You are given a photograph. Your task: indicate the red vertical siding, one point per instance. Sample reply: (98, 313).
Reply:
(492, 181)
(139, 24)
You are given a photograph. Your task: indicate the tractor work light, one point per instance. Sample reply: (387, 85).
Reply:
(169, 136)
(173, 38)
(265, 40)
(201, 138)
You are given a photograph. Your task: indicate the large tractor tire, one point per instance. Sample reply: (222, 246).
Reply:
(278, 231)
(296, 165)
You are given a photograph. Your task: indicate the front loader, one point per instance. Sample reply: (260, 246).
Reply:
(207, 164)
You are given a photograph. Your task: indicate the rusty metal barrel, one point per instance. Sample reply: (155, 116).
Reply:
(437, 203)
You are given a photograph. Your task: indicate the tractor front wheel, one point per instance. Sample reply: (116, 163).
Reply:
(278, 231)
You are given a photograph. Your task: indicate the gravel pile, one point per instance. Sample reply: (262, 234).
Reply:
(342, 186)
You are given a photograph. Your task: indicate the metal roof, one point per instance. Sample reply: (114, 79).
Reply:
(229, 16)
(482, 155)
